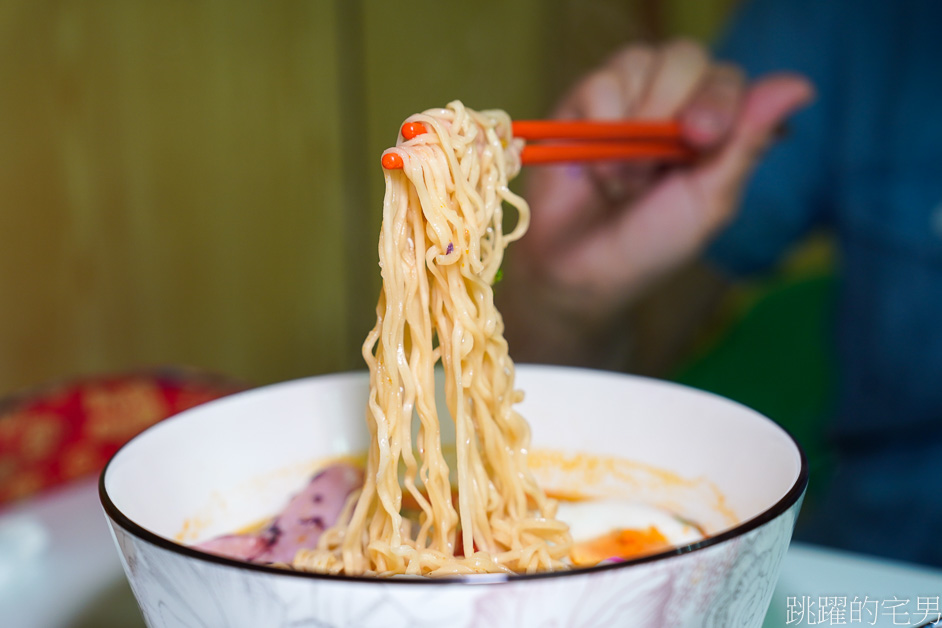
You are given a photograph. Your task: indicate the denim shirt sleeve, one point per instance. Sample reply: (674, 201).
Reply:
(787, 195)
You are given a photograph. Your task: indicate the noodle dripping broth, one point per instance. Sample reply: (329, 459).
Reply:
(440, 248)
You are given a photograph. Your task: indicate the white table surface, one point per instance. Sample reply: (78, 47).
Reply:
(59, 569)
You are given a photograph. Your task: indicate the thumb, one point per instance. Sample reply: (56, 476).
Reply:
(768, 103)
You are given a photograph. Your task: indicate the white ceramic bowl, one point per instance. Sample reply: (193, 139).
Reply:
(232, 462)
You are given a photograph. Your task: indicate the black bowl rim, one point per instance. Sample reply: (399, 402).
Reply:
(780, 507)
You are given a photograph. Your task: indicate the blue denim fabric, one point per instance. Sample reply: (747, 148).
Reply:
(865, 161)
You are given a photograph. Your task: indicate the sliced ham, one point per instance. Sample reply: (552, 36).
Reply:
(300, 525)
(238, 546)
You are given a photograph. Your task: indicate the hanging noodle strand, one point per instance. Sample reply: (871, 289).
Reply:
(440, 247)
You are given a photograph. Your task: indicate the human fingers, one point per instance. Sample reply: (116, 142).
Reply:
(563, 199)
(679, 68)
(567, 198)
(655, 83)
(636, 79)
(613, 91)
(766, 106)
(633, 67)
(652, 234)
(597, 96)
(708, 118)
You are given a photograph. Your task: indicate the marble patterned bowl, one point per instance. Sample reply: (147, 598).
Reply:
(230, 463)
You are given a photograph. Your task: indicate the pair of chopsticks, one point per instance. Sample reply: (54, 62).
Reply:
(560, 141)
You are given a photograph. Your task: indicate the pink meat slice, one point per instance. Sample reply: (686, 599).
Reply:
(300, 525)
(310, 512)
(238, 546)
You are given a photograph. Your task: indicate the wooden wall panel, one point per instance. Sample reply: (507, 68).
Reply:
(169, 189)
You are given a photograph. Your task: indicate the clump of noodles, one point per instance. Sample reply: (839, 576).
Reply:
(440, 248)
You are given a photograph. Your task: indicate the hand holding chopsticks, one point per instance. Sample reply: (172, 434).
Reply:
(559, 141)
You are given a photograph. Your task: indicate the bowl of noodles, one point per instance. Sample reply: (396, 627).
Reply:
(475, 492)
(227, 465)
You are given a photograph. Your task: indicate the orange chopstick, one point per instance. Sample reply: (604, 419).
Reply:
(590, 141)
(597, 130)
(580, 130)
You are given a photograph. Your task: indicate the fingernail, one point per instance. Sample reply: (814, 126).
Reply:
(705, 124)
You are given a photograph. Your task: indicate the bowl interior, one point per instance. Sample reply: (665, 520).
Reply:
(230, 463)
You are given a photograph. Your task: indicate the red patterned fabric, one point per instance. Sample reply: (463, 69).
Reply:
(67, 430)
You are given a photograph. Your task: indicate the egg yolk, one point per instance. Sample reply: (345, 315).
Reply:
(623, 543)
